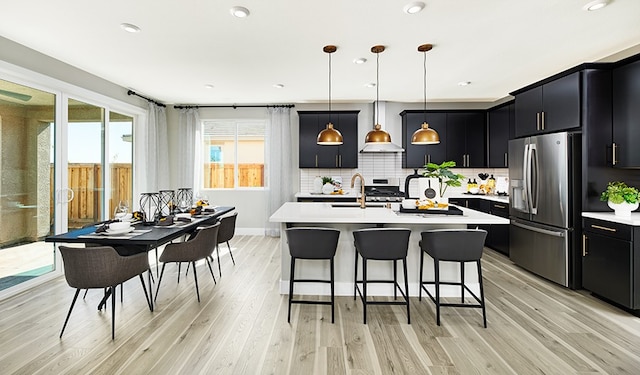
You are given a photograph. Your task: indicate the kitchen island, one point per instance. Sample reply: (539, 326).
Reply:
(348, 218)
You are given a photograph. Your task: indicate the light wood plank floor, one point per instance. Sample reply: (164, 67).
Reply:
(240, 327)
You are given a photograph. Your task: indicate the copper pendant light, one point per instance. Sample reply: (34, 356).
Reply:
(425, 135)
(329, 136)
(377, 135)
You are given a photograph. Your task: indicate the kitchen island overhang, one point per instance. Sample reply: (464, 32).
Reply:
(348, 219)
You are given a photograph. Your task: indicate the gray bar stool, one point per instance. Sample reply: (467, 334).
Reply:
(453, 245)
(382, 244)
(311, 243)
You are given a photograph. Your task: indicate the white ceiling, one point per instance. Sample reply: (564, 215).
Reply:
(497, 45)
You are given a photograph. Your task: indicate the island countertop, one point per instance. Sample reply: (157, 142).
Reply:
(325, 212)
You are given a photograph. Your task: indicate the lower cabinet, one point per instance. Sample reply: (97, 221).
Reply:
(611, 261)
(497, 235)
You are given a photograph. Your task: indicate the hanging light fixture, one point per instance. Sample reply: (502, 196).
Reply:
(329, 136)
(377, 135)
(425, 135)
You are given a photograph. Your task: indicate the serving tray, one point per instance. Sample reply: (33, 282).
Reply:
(452, 210)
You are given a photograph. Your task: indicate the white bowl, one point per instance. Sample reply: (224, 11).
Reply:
(119, 225)
(124, 216)
(185, 215)
(474, 190)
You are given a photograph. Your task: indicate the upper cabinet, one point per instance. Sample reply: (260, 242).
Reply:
(313, 155)
(466, 138)
(549, 107)
(416, 156)
(626, 115)
(500, 128)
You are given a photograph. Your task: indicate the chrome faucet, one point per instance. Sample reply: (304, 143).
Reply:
(353, 180)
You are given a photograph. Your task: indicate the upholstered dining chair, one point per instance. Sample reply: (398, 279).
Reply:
(100, 267)
(199, 247)
(225, 234)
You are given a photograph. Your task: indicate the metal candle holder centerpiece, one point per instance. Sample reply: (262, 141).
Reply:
(184, 196)
(167, 202)
(150, 207)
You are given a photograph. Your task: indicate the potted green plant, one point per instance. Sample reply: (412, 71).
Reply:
(327, 185)
(443, 173)
(621, 197)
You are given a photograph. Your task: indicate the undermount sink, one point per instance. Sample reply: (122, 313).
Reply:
(356, 204)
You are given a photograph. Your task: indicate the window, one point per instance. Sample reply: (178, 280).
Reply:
(233, 153)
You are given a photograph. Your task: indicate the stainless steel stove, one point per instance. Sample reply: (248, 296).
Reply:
(383, 190)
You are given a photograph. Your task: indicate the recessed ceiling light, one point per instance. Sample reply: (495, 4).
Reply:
(595, 5)
(464, 83)
(372, 84)
(413, 8)
(130, 28)
(360, 60)
(240, 12)
(278, 85)
(208, 86)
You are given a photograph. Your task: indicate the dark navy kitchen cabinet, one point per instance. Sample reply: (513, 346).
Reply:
(466, 138)
(416, 156)
(626, 115)
(312, 155)
(500, 128)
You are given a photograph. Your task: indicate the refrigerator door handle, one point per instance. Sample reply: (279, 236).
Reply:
(525, 178)
(538, 230)
(534, 184)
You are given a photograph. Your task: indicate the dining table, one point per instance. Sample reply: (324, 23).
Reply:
(144, 237)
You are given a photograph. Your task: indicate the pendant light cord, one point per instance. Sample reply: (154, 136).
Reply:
(329, 87)
(377, 88)
(424, 67)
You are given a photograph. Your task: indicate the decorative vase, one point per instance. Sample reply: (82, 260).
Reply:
(317, 185)
(623, 209)
(327, 188)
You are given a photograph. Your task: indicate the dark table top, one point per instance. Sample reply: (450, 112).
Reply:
(154, 238)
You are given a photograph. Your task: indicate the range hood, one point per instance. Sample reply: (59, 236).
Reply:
(380, 147)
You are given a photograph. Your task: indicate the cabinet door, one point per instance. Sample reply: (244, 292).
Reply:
(416, 156)
(456, 138)
(607, 268)
(327, 155)
(527, 106)
(498, 129)
(561, 103)
(307, 141)
(348, 151)
(626, 115)
(475, 140)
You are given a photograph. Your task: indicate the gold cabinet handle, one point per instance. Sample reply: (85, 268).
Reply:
(428, 158)
(499, 206)
(537, 120)
(614, 154)
(603, 228)
(506, 163)
(584, 245)
(316, 160)
(340, 160)
(542, 122)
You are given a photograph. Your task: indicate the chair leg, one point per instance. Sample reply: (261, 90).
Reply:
(195, 277)
(461, 282)
(436, 264)
(395, 279)
(113, 312)
(230, 253)
(159, 282)
(421, 268)
(185, 272)
(85, 293)
(293, 270)
(364, 289)
(219, 266)
(73, 302)
(121, 292)
(406, 289)
(484, 313)
(355, 277)
(146, 295)
(211, 270)
(332, 292)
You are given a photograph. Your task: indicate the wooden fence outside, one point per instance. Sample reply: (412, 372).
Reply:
(85, 179)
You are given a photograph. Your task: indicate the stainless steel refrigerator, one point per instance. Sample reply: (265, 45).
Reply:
(544, 197)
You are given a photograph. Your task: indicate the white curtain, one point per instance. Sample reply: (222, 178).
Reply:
(155, 143)
(189, 158)
(280, 167)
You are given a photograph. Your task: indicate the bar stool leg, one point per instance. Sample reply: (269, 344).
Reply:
(461, 282)
(293, 269)
(436, 264)
(484, 314)
(364, 289)
(421, 268)
(395, 279)
(355, 277)
(406, 289)
(332, 293)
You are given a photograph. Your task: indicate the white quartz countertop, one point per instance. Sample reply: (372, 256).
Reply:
(633, 220)
(347, 194)
(321, 212)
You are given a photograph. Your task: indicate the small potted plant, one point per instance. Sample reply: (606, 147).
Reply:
(621, 198)
(444, 175)
(327, 185)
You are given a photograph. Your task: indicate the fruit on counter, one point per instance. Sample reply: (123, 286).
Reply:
(202, 202)
(338, 192)
(138, 215)
(427, 204)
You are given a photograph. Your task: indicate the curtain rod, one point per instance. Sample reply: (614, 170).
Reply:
(131, 92)
(235, 106)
